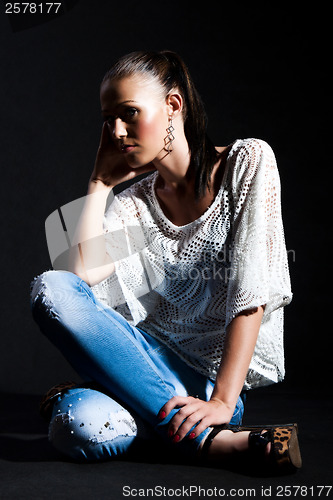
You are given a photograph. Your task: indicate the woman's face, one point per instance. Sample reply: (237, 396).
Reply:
(138, 116)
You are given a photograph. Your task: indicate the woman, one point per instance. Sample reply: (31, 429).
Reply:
(174, 299)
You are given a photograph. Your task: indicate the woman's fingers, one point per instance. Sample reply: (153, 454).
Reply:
(111, 166)
(189, 415)
(178, 430)
(105, 136)
(202, 425)
(193, 417)
(175, 402)
(185, 418)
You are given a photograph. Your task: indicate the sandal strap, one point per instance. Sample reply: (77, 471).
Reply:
(208, 441)
(258, 441)
(47, 401)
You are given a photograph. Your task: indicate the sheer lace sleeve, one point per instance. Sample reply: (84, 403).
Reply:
(259, 270)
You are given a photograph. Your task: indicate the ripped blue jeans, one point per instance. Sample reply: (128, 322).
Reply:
(138, 374)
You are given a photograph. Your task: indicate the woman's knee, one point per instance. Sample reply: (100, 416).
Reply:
(89, 425)
(51, 289)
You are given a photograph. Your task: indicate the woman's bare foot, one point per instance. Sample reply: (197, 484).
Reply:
(227, 442)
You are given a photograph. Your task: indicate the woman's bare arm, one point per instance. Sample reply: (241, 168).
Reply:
(241, 339)
(88, 257)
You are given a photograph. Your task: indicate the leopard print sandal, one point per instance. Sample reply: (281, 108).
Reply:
(284, 456)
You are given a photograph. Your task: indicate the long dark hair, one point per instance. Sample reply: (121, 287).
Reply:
(171, 72)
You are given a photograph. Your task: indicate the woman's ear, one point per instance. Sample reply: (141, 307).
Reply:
(174, 102)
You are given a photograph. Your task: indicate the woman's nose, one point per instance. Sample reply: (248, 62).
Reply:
(119, 129)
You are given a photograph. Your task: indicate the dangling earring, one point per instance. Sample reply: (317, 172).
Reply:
(168, 140)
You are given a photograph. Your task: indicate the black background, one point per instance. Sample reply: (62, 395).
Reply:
(262, 70)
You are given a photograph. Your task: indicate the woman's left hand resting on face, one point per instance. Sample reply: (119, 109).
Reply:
(240, 341)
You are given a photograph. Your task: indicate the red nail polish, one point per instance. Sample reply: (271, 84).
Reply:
(170, 433)
(162, 414)
(192, 435)
(176, 438)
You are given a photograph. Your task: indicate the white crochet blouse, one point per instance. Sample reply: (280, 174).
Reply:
(185, 284)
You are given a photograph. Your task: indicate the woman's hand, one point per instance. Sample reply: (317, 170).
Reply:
(110, 166)
(194, 412)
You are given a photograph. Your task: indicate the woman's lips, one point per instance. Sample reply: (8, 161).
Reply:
(127, 148)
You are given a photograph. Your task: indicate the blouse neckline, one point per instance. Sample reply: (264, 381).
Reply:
(209, 209)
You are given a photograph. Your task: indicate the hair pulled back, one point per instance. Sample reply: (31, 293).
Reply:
(171, 72)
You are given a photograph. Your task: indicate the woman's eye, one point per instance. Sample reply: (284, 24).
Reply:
(130, 113)
(126, 116)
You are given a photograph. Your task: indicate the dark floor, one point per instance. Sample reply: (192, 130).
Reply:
(31, 469)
